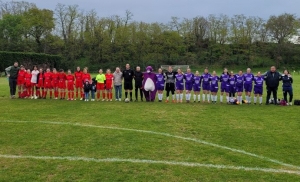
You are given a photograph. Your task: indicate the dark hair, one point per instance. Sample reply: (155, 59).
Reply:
(61, 70)
(34, 66)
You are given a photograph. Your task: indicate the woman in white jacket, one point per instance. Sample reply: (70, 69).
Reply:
(34, 82)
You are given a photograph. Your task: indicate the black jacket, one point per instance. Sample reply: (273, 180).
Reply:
(138, 77)
(272, 79)
(13, 71)
(287, 81)
(87, 87)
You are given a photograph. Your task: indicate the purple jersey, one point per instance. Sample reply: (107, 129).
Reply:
(214, 80)
(189, 81)
(205, 81)
(259, 81)
(160, 83)
(197, 83)
(248, 78)
(224, 79)
(179, 81)
(239, 83)
(232, 83)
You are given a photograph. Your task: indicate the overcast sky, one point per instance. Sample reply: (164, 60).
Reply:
(162, 10)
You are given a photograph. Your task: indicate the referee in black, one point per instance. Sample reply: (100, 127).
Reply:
(12, 74)
(138, 80)
(128, 75)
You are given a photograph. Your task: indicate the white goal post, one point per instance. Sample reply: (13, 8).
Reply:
(175, 67)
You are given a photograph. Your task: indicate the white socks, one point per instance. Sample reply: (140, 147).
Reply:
(195, 97)
(203, 97)
(221, 98)
(173, 97)
(227, 98)
(255, 100)
(260, 100)
(208, 97)
(188, 96)
(180, 97)
(177, 97)
(160, 97)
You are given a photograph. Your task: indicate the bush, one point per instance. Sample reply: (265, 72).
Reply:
(29, 59)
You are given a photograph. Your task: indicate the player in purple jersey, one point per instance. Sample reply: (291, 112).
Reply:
(258, 87)
(232, 89)
(248, 80)
(197, 86)
(214, 86)
(179, 77)
(224, 85)
(160, 83)
(205, 85)
(239, 86)
(188, 77)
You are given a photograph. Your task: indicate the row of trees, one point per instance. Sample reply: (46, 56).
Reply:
(84, 38)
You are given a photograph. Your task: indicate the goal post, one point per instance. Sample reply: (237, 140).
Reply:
(175, 67)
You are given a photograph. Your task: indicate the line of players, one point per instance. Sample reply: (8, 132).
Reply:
(37, 83)
(231, 84)
(57, 82)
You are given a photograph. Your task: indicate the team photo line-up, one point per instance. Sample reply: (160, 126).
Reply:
(38, 83)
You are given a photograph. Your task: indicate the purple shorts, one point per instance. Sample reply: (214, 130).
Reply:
(159, 87)
(179, 87)
(248, 87)
(232, 89)
(224, 88)
(189, 86)
(205, 87)
(214, 89)
(196, 88)
(239, 89)
(258, 90)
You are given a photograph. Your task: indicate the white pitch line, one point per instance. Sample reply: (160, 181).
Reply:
(144, 161)
(164, 134)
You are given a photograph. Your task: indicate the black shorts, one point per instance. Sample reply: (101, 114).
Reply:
(128, 86)
(138, 84)
(170, 87)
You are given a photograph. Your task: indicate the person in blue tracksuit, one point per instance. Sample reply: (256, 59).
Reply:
(287, 87)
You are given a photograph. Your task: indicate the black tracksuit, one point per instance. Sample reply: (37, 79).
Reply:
(272, 81)
(287, 88)
(138, 78)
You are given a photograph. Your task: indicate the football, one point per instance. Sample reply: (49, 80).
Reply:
(127, 100)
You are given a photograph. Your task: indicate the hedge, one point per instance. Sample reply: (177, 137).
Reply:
(29, 59)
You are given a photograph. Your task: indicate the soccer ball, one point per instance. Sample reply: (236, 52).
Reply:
(127, 100)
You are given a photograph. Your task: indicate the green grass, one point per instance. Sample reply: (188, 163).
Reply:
(269, 131)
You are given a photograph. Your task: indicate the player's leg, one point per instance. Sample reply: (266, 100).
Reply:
(291, 96)
(274, 91)
(167, 92)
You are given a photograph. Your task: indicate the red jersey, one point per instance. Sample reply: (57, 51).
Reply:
(28, 79)
(70, 82)
(62, 77)
(86, 77)
(21, 75)
(40, 80)
(70, 79)
(78, 76)
(55, 78)
(109, 79)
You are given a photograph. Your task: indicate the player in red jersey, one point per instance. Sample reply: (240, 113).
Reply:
(28, 85)
(109, 84)
(62, 84)
(70, 84)
(55, 80)
(47, 83)
(40, 84)
(21, 80)
(78, 83)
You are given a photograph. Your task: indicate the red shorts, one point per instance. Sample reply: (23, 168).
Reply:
(62, 85)
(47, 85)
(79, 84)
(100, 86)
(108, 86)
(40, 85)
(20, 82)
(33, 84)
(28, 85)
(54, 85)
(71, 87)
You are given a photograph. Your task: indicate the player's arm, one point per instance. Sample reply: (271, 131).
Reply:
(7, 70)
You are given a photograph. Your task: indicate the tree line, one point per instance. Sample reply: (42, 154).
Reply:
(83, 38)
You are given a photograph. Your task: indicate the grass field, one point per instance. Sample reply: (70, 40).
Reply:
(52, 140)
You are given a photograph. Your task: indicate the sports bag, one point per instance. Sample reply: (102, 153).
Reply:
(297, 102)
